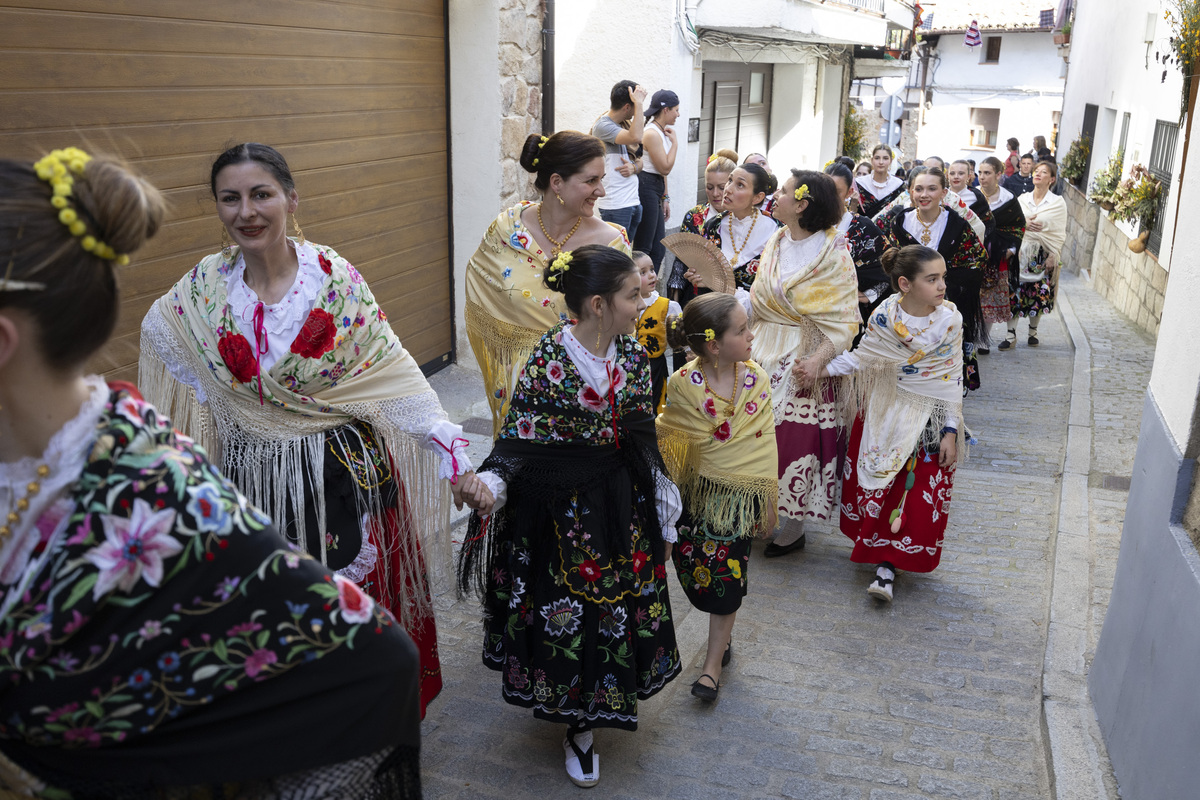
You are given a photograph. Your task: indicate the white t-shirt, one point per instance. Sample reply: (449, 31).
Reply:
(619, 191)
(653, 128)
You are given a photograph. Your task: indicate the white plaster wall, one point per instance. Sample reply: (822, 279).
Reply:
(599, 43)
(1175, 378)
(474, 139)
(792, 91)
(832, 96)
(1112, 67)
(1026, 86)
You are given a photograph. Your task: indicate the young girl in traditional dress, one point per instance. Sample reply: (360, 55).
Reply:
(717, 436)
(652, 326)
(572, 550)
(881, 186)
(906, 402)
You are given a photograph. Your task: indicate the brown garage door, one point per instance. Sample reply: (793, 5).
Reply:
(352, 93)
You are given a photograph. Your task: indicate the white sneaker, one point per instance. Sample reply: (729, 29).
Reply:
(580, 749)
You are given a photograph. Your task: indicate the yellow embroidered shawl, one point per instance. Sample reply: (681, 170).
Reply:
(793, 318)
(508, 308)
(726, 468)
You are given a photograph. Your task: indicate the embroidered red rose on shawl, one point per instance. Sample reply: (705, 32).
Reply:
(238, 356)
(710, 407)
(723, 432)
(326, 264)
(316, 337)
(590, 570)
(591, 400)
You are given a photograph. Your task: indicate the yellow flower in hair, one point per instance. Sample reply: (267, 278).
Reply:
(67, 216)
(802, 192)
(712, 158)
(88, 243)
(77, 228)
(58, 202)
(709, 335)
(562, 262)
(828, 163)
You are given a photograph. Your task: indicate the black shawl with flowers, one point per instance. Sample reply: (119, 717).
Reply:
(561, 440)
(163, 634)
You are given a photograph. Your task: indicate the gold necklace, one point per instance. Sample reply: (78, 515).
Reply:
(926, 234)
(558, 246)
(728, 401)
(737, 251)
(31, 490)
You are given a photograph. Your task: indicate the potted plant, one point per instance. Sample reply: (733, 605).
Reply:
(1075, 162)
(1136, 198)
(1107, 180)
(1063, 36)
(1184, 20)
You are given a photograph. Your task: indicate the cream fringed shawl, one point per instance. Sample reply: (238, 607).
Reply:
(725, 467)
(346, 364)
(814, 309)
(508, 309)
(906, 378)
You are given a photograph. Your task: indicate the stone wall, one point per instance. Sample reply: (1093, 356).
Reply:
(520, 93)
(1134, 283)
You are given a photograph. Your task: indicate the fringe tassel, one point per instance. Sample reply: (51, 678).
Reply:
(501, 349)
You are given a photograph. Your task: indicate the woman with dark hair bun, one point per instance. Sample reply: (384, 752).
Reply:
(804, 303)
(931, 223)
(274, 355)
(866, 243)
(742, 230)
(905, 398)
(507, 308)
(578, 519)
(157, 636)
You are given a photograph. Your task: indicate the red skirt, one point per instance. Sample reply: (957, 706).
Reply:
(866, 515)
(382, 585)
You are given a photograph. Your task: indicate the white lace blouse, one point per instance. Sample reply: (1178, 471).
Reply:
(753, 229)
(593, 372)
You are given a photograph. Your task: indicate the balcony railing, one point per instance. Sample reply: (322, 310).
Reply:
(865, 5)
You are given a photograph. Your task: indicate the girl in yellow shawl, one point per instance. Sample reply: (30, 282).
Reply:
(906, 402)
(508, 308)
(717, 437)
(804, 302)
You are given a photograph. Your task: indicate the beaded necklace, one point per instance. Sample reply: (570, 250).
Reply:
(558, 246)
(728, 401)
(14, 515)
(737, 251)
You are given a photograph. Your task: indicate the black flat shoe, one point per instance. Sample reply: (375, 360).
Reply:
(725, 659)
(705, 692)
(1033, 341)
(983, 351)
(775, 550)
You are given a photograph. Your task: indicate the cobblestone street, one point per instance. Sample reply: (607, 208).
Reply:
(830, 694)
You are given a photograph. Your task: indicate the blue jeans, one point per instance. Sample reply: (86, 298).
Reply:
(628, 218)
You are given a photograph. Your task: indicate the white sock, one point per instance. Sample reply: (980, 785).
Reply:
(885, 573)
(583, 741)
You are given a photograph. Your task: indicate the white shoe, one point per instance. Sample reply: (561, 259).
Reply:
(579, 749)
(880, 589)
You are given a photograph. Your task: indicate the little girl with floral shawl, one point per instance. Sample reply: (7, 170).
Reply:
(905, 396)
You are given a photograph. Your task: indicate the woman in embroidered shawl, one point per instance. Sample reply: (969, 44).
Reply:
(1003, 244)
(1045, 231)
(906, 401)
(508, 309)
(717, 436)
(743, 229)
(881, 187)
(865, 240)
(157, 637)
(928, 222)
(579, 518)
(716, 174)
(274, 355)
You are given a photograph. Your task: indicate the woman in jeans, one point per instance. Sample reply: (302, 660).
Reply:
(658, 139)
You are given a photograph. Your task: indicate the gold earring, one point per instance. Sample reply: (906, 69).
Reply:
(717, 365)
(560, 200)
(599, 330)
(299, 233)
(226, 245)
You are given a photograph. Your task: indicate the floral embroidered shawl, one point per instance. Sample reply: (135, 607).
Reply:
(508, 308)
(792, 318)
(906, 379)
(162, 634)
(346, 364)
(725, 466)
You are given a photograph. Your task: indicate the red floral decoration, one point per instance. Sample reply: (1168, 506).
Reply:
(326, 264)
(238, 356)
(317, 336)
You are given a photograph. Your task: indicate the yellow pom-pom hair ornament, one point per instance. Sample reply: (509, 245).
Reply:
(712, 158)
(542, 143)
(709, 335)
(802, 193)
(59, 169)
(558, 267)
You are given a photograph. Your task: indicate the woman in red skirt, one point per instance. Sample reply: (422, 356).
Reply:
(906, 403)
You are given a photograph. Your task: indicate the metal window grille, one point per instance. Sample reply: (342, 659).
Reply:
(1162, 163)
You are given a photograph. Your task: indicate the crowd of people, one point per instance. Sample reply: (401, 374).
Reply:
(239, 548)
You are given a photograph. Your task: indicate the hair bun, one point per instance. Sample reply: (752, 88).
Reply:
(125, 208)
(530, 152)
(888, 259)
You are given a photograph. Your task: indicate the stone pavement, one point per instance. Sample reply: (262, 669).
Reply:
(831, 695)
